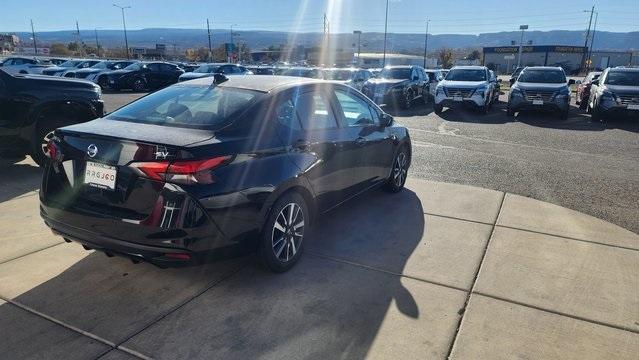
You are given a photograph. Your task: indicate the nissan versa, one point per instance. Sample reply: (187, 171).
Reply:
(207, 166)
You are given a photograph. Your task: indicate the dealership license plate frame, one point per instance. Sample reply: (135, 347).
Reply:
(99, 175)
(633, 106)
(457, 98)
(538, 102)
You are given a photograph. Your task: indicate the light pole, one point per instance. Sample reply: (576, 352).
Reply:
(230, 53)
(126, 40)
(521, 42)
(426, 42)
(35, 47)
(385, 34)
(583, 57)
(359, 43)
(592, 37)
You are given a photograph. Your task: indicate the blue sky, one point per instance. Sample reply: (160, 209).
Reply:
(405, 16)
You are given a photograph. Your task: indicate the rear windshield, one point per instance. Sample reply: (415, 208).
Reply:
(207, 69)
(466, 75)
(626, 78)
(188, 106)
(542, 76)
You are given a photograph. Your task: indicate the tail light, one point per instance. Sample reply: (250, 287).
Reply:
(181, 171)
(53, 151)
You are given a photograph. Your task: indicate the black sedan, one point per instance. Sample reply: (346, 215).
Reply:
(398, 85)
(206, 167)
(144, 76)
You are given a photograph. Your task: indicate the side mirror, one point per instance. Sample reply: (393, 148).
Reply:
(571, 82)
(595, 82)
(386, 120)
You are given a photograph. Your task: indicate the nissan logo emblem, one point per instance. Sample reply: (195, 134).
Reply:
(92, 150)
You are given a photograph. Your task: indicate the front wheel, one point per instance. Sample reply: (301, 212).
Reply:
(282, 239)
(397, 179)
(139, 85)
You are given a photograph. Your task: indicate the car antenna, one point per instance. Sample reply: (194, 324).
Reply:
(218, 79)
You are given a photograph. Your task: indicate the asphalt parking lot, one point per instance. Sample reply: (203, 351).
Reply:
(585, 166)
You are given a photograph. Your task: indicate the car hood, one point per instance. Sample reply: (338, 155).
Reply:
(462, 84)
(140, 132)
(623, 89)
(386, 81)
(192, 75)
(539, 86)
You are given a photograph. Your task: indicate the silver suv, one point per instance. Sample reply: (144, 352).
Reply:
(468, 86)
(615, 92)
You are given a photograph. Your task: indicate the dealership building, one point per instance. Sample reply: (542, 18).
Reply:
(503, 59)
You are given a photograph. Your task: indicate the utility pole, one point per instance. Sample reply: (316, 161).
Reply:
(229, 54)
(35, 47)
(78, 40)
(521, 42)
(97, 43)
(208, 30)
(592, 41)
(126, 41)
(359, 43)
(583, 57)
(385, 34)
(426, 42)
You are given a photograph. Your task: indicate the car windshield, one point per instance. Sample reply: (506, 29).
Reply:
(206, 69)
(395, 73)
(625, 78)
(187, 106)
(69, 63)
(466, 75)
(102, 65)
(542, 76)
(134, 66)
(338, 74)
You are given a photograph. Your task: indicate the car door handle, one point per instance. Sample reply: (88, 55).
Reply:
(302, 144)
(360, 141)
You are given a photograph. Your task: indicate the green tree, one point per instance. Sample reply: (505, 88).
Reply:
(445, 56)
(474, 55)
(59, 50)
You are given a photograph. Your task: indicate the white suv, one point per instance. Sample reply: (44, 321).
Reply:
(468, 86)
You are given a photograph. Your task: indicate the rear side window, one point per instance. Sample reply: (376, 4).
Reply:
(356, 111)
(188, 106)
(285, 115)
(314, 111)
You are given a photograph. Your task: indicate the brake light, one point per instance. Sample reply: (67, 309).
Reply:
(53, 152)
(181, 171)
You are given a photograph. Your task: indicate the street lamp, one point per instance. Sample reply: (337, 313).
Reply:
(385, 33)
(229, 53)
(126, 41)
(426, 42)
(521, 41)
(359, 42)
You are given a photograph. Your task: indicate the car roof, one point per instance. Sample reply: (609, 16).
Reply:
(623, 69)
(255, 82)
(470, 67)
(543, 68)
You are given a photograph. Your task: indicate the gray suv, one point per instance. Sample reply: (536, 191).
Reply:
(615, 92)
(540, 88)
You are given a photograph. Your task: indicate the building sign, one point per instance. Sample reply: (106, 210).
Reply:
(530, 49)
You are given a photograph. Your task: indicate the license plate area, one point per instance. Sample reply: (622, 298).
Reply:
(100, 175)
(457, 98)
(538, 102)
(633, 106)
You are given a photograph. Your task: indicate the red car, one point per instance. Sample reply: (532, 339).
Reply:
(583, 90)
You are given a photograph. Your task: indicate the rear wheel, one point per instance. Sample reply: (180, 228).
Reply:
(138, 85)
(281, 241)
(397, 179)
(407, 100)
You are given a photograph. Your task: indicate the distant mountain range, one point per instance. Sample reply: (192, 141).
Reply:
(371, 42)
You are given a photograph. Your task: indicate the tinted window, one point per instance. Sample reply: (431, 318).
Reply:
(187, 106)
(285, 115)
(133, 66)
(395, 73)
(542, 76)
(154, 67)
(626, 78)
(314, 112)
(356, 111)
(466, 75)
(167, 67)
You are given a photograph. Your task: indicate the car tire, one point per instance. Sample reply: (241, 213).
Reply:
(438, 109)
(510, 112)
(399, 171)
(407, 100)
(483, 110)
(138, 85)
(281, 242)
(103, 82)
(595, 115)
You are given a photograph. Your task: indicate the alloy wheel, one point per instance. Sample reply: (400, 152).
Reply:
(399, 169)
(288, 232)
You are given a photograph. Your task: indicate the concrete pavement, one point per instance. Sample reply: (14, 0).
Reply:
(439, 270)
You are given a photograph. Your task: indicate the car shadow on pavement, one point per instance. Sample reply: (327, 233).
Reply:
(418, 109)
(18, 177)
(325, 307)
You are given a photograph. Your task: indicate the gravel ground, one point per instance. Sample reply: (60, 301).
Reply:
(592, 168)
